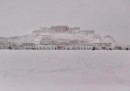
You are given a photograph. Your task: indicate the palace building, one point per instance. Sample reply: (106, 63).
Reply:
(66, 38)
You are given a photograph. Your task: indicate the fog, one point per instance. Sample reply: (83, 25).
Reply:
(106, 17)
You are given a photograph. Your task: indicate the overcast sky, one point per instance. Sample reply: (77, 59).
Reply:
(112, 17)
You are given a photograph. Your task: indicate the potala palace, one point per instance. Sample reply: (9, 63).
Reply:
(59, 38)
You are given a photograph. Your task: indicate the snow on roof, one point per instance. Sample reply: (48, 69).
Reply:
(94, 38)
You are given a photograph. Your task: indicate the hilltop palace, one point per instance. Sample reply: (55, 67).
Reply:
(65, 38)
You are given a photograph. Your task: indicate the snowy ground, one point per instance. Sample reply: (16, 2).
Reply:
(64, 70)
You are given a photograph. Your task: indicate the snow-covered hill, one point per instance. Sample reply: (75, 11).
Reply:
(60, 35)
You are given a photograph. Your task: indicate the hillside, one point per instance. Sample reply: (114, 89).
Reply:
(59, 35)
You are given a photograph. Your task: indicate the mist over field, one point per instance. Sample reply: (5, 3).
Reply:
(35, 36)
(58, 70)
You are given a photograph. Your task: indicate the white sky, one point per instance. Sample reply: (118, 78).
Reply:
(112, 17)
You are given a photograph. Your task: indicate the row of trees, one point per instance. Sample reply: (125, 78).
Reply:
(115, 48)
(93, 48)
(11, 46)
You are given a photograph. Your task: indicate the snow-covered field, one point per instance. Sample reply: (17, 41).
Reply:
(64, 70)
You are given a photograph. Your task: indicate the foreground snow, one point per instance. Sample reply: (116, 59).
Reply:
(64, 70)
